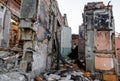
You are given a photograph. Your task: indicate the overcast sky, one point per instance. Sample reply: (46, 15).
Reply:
(74, 10)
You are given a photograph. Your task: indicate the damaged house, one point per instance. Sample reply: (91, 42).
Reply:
(97, 41)
(35, 39)
(30, 32)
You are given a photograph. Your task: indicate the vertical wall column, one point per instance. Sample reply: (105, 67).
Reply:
(6, 31)
(89, 48)
(51, 33)
(28, 10)
(28, 38)
(5, 17)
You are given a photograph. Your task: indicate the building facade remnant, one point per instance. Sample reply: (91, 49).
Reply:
(34, 26)
(97, 35)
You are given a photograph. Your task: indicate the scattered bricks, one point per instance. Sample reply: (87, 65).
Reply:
(37, 78)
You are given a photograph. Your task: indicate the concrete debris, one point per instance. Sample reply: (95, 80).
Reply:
(53, 77)
(12, 77)
(4, 54)
(9, 61)
(69, 74)
(32, 46)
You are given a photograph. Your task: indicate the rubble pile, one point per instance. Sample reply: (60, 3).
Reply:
(9, 61)
(14, 76)
(67, 74)
(10, 71)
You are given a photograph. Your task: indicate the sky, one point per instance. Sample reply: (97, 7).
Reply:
(74, 10)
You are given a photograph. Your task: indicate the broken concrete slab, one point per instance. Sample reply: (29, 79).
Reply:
(15, 76)
(68, 74)
(4, 54)
(53, 77)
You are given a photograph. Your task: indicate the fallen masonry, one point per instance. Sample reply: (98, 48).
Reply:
(10, 71)
(35, 42)
(69, 74)
(13, 76)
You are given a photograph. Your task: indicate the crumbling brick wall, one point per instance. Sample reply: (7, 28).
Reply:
(43, 26)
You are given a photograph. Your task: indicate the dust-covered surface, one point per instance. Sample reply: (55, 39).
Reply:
(102, 42)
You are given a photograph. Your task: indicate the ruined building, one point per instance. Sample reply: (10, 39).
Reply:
(34, 37)
(97, 41)
(33, 29)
